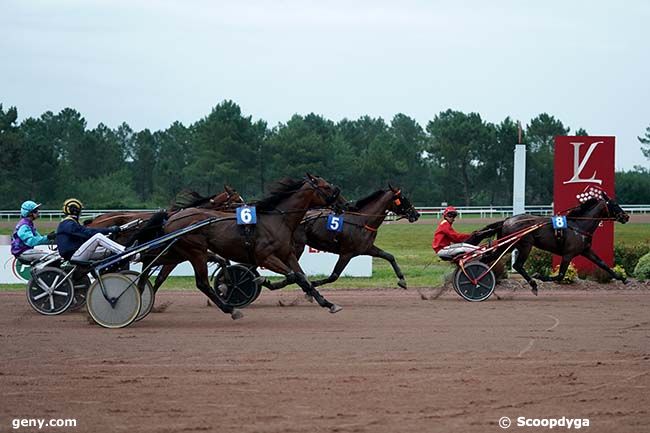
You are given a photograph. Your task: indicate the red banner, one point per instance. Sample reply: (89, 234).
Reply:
(581, 162)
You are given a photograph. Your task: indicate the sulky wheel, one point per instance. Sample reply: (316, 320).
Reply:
(147, 294)
(476, 283)
(117, 305)
(238, 288)
(49, 291)
(81, 285)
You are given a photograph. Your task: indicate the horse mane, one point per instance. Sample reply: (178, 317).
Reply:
(357, 205)
(186, 199)
(582, 207)
(278, 191)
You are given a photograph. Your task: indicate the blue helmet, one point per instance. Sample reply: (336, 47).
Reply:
(28, 207)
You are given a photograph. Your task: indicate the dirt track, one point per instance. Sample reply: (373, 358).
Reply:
(389, 362)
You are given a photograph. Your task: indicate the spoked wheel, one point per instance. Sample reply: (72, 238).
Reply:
(238, 288)
(49, 291)
(147, 295)
(81, 286)
(476, 283)
(121, 304)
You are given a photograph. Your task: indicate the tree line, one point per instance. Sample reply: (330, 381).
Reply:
(456, 157)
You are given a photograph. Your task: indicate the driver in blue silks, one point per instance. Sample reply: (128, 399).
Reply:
(81, 243)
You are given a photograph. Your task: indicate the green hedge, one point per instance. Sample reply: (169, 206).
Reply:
(628, 255)
(642, 269)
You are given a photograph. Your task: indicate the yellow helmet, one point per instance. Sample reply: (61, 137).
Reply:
(72, 206)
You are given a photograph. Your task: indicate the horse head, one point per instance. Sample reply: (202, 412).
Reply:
(614, 210)
(326, 193)
(402, 206)
(233, 196)
(224, 200)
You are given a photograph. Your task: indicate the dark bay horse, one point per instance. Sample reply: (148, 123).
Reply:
(361, 220)
(189, 199)
(268, 243)
(154, 221)
(582, 222)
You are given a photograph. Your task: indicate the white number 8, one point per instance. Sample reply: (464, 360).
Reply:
(246, 215)
(559, 222)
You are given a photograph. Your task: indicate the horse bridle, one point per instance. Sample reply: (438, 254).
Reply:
(329, 199)
(397, 201)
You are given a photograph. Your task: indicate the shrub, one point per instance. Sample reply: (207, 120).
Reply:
(539, 262)
(570, 276)
(628, 255)
(642, 269)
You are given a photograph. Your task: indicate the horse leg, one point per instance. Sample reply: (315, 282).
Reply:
(293, 271)
(591, 255)
(341, 263)
(289, 279)
(564, 265)
(162, 276)
(518, 265)
(378, 252)
(200, 265)
(309, 289)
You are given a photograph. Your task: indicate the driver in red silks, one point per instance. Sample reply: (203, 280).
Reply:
(445, 235)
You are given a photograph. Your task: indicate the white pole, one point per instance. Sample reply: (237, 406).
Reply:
(519, 185)
(519, 181)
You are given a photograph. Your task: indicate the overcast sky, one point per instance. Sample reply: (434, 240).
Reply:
(150, 63)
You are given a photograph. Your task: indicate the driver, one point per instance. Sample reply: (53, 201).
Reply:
(81, 243)
(447, 242)
(26, 237)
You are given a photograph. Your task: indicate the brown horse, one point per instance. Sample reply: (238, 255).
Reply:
(267, 243)
(582, 222)
(219, 201)
(361, 220)
(154, 222)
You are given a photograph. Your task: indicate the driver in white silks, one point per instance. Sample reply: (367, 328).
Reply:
(447, 242)
(81, 243)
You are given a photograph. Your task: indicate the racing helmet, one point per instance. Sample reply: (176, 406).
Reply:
(28, 207)
(72, 206)
(450, 211)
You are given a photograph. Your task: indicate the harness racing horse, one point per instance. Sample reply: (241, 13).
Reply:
(187, 199)
(361, 221)
(154, 222)
(269, 243)
(582, 222)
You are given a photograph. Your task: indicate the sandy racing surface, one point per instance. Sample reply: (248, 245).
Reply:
(389, 362)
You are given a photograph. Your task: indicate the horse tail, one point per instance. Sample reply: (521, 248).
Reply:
(150, 230)
(493, 229)
(486, 232)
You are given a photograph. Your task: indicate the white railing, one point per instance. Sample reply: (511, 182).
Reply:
(55, 215)
(480, 211)
(505, 211)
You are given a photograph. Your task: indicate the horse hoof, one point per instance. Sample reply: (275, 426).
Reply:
(402, 283)
(534, 290)
(222, 288)
(335, 308)
(309, 298)
(236, 314)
